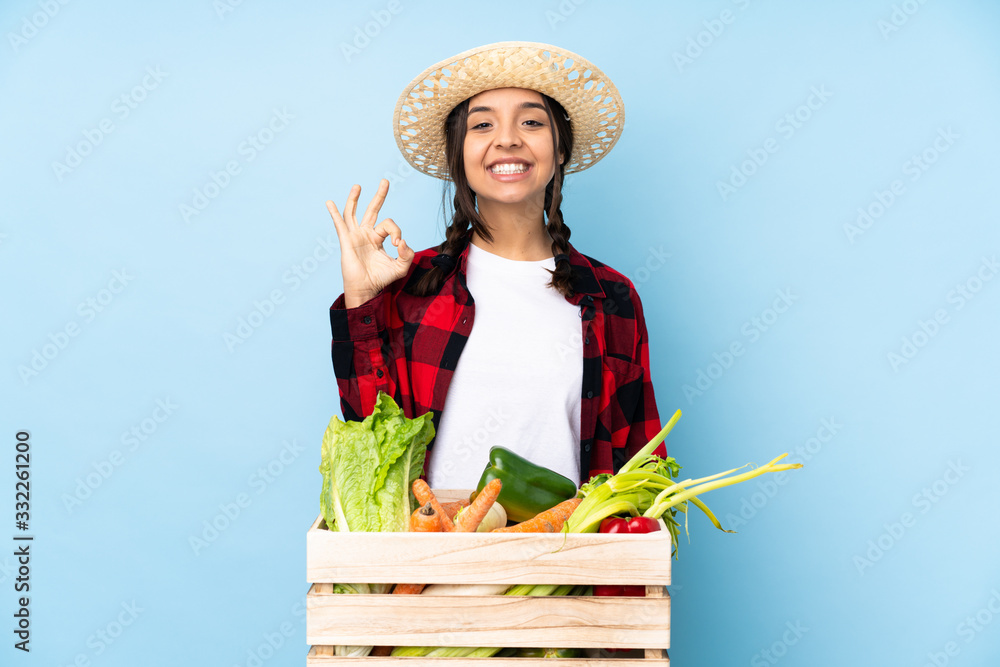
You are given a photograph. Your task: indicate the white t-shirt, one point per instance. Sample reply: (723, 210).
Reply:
(519, 377)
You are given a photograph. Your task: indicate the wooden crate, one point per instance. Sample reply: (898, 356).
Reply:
(494, 620)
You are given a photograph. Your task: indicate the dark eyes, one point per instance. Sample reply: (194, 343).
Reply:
(527, 121)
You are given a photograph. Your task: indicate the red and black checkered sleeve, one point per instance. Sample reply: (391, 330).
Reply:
(360, 339)
(646, 420)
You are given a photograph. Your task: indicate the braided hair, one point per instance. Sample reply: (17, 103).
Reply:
(458, 232)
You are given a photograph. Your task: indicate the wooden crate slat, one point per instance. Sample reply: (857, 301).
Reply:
(530, 558)
(488, 620)
(313, 658)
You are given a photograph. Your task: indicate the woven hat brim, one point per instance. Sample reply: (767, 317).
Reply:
(591, 100)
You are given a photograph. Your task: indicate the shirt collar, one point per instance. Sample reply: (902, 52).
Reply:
(585, 284)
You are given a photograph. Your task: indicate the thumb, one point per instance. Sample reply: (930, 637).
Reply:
(405, 252)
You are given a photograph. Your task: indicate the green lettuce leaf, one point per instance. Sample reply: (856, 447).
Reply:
(369, 467)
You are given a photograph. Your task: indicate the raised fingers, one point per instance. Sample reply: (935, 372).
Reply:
(350, 208)
(371, 213)
(338, 222)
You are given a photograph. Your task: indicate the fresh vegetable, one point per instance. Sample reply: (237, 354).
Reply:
(549, 521)
(453, 508)
(495, 518)
(549, 653)
(409, 589)
(368, 467)
(527, 488)
(639, 524)
(424, 494)
(466, 589)
(540, 590)
(444, 652)
(472, 516)
(425, 520)
(644, 486)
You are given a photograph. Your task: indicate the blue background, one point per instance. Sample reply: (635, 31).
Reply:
(873, 552)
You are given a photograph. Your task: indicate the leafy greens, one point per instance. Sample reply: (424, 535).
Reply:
(369, 467)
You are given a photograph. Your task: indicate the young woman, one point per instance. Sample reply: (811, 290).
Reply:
(550, 357)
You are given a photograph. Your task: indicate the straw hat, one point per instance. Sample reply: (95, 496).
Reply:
(596, 110)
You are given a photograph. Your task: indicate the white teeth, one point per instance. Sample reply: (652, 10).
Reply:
(510, 168)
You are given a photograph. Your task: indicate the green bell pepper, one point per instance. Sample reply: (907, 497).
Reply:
(527, 488)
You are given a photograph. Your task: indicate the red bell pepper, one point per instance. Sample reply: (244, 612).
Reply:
(638, 524)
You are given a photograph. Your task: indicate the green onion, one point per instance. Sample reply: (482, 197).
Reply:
(645, 486)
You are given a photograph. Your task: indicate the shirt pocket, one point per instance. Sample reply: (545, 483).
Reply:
(621, 389)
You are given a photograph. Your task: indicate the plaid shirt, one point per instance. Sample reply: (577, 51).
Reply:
(408, 347)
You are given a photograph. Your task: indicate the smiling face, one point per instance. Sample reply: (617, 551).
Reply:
(508, 146)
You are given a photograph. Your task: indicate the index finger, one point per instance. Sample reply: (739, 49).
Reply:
(338, 222)
(371, 213)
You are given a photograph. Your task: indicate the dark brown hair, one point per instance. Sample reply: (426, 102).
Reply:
(457, 234)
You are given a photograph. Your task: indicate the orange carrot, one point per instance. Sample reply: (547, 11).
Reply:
(425, 520)
(472, 516)
(425, 495)
(451, 509)
(408, 589)
(551, 520)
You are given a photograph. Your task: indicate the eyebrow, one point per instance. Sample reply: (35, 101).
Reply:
(522, 105)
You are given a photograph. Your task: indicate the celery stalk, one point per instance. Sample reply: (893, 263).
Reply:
(636, 460)
(463, 652)
(411, 651)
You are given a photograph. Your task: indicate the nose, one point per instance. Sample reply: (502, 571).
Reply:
(507, 134)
